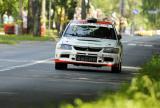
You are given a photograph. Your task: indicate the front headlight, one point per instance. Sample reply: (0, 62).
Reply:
(64, 47)
(111, 50)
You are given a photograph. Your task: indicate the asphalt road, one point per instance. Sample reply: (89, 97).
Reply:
(28, 78)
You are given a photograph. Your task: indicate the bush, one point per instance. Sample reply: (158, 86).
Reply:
(152, 68)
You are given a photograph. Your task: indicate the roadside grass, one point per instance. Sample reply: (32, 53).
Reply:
(13, 39)
(7, 42)
(142, 92)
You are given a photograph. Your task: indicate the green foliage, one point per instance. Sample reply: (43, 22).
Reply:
(107, 6)
(143, 92)
(153, 18)
(142, 20)
(11, 6)
(152, 68)
(68, 6)
(71, 9)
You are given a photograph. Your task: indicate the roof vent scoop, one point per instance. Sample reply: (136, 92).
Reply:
(92, 20)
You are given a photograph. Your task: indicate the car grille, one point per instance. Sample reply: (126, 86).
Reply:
(87, 49)
(86, 58)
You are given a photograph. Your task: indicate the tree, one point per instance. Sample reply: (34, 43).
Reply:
(107, 6)
(34, 13)
(151, 10)
(83, 13)
(11, 6)
(63, 12)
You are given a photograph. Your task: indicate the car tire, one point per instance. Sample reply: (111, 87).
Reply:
(116, 68)
(60, 66)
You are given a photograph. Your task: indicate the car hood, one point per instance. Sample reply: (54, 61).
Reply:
(89, 42)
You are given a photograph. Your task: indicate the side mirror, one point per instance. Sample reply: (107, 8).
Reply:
(119, 36)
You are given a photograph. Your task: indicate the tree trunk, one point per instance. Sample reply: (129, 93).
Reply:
(83, 12)
(20, 16)
(34, 12)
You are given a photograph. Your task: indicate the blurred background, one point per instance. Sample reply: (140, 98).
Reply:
(47, 17)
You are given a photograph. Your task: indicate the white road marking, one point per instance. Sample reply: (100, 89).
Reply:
(131, 44)
(124, 41)
(131, 67)
(140, 44)
(25, 65)
(83, 78)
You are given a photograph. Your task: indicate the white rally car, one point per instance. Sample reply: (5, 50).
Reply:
(89, 43)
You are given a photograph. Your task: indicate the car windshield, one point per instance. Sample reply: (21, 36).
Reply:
(92, 31)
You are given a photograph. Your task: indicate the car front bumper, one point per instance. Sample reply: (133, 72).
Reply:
(86, 58)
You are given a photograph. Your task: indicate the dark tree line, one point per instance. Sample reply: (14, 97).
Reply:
(63, 12)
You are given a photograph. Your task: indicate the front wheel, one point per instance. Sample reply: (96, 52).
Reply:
(60, 66)
(117, 68)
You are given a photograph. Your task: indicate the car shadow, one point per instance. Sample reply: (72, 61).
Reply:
(89, 70)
